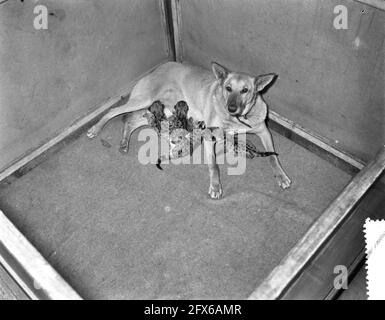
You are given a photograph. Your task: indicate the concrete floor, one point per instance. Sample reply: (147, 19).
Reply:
(117, 229)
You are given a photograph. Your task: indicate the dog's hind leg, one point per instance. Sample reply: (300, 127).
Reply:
(132, 121)
(134, 104)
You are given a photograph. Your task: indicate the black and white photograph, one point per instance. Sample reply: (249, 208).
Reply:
(192, 155)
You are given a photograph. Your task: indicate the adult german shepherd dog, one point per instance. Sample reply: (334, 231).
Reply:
(221, 98)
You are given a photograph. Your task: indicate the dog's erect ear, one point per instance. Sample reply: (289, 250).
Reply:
(219, 71)
(263, 81)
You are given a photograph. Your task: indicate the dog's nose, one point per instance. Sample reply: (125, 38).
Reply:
(232, 107)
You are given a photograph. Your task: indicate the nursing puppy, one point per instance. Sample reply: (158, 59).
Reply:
(221, 98)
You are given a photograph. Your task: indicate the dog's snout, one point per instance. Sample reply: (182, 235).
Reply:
(232, 107)
(232, 103)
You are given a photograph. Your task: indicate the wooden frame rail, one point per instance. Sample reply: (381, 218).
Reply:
(279, 280)
(315, 143)
(345, 247)
(28, 267)
(378, 4)
(177, 29)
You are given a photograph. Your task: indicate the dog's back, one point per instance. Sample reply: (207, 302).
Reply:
(173, 82)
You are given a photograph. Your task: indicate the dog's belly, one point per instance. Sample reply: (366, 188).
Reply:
(173, 82)
(171, 96)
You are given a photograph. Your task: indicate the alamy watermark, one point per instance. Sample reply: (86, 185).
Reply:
(162, 147)
(341, 280)
(40, 22)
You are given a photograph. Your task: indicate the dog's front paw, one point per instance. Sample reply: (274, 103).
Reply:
(92, 132)
(123, 146)
(215, 191)
(283, 180)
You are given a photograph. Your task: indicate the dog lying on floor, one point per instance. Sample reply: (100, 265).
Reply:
(221, 98)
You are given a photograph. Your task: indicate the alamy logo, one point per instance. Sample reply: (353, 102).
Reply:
(40, 22)
(341, 20)
(341, 280)
(170, 147)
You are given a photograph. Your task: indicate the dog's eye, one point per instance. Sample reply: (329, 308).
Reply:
(228, 88)
(244, 90)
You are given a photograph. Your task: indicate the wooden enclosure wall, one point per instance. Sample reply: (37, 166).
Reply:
(330, 81)
(91, 51)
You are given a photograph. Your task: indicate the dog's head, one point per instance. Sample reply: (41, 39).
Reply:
(240, 89)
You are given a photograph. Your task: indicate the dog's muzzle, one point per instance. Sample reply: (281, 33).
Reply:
(232, 108)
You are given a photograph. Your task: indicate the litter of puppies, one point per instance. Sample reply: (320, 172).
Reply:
(184, 134)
